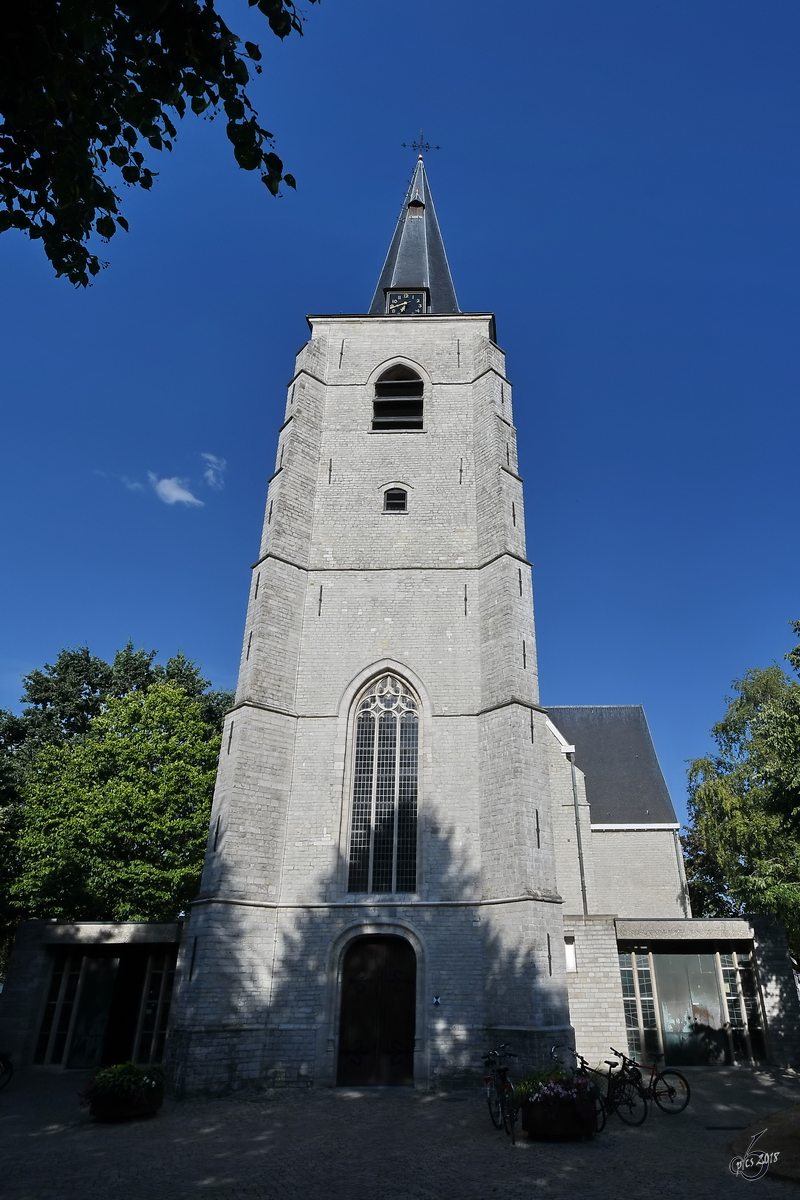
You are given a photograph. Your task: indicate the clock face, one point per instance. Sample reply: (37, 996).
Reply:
(405, 304)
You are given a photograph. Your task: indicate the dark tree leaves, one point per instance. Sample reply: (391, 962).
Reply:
(84, 82)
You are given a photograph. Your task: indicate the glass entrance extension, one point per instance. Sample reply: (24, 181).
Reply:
(695, 1007)
(106, 1007)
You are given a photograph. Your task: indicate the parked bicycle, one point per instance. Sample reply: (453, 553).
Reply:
(500, 1090)
(669, 1088)
(6, 1069)
(622, 1094)
(616, 1094)
(583, 1069)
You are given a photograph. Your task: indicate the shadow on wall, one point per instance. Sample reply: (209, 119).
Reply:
(482, 976)
(778, 991)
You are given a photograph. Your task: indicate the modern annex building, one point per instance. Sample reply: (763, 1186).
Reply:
(409, 859)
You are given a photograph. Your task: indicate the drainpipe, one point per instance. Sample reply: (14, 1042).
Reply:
(571, 758)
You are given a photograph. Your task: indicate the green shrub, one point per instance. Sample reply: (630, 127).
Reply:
(123, 1080)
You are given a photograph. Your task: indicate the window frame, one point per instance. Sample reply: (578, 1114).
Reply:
(349, 810)
(397, 491)
(414, 377)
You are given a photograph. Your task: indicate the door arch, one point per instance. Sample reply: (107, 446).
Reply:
(378, 1013)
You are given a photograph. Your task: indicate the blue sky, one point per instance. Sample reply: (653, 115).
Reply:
(618, 182)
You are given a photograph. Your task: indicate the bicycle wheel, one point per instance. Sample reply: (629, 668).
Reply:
(629, 1104)
(6, 1071)
(600, 1114)
(509, 1111)
(494, 1099)
(671, 1091)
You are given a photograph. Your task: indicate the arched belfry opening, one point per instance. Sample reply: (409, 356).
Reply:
(398, 400)
(378, 1013)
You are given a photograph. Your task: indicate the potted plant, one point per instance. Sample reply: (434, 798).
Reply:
(124, 1092)
(557, 1105)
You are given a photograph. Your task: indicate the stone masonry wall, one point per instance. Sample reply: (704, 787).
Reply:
(595, 990)
(637, 873)
(440, 594)
(778, 991)
(565, 833)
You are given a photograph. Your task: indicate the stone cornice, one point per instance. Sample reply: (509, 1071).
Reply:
(367, 906)
(416, 567)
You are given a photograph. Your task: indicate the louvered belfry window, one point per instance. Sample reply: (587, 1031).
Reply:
(398, 400)
(383, 832)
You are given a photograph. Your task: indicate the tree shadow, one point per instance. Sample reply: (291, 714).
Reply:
(259, 985)
(779, 991)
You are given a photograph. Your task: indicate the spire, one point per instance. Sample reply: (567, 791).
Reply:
(416, 257)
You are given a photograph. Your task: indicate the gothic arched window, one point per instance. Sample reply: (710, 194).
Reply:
(383, 829)
(398, 399)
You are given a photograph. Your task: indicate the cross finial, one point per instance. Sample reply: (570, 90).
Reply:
(420, 145)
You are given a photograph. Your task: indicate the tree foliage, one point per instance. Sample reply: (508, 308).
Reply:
(743, 846)
(92, 86)
(115, 821)
(62, 704)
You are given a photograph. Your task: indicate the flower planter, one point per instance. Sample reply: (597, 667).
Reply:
(130, 1107)
(555, 1119)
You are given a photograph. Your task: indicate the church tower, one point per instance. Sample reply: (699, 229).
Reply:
(379, 903)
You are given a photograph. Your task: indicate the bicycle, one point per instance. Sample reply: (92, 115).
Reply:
(621, 1093)
(583, 1069)
(669, 1088)
(6, 1069)
(624, 1096)
(500, 1090)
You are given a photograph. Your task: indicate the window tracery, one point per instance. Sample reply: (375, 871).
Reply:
(383, 830)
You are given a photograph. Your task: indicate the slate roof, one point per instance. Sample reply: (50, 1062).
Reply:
(614, 749)
(416, 257)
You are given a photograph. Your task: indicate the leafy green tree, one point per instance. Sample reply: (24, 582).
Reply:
(743, 846)
(708, 887)
(63, 698)
(115, 821)
(62, 702)
(88, 86)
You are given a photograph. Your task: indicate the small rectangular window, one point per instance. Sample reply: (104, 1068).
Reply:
(569, 954)
(395, 500)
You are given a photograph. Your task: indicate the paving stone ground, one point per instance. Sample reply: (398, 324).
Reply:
(388, 1144)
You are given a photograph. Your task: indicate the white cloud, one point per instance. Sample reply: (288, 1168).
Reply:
(215, 469)
(172, 491)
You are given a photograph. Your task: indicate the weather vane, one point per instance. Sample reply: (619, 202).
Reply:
(421, 144)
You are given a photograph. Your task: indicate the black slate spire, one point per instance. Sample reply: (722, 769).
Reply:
(416, 257)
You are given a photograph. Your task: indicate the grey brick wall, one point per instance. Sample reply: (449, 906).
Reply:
(595, 991)
(442, 595)
(637, 873)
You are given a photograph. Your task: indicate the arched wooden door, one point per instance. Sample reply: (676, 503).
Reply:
(376, 1031)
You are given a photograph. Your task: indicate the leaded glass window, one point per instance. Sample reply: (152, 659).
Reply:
(383, 831)
(639, 1003)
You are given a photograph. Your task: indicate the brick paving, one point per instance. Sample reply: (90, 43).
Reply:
(388, 1144)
